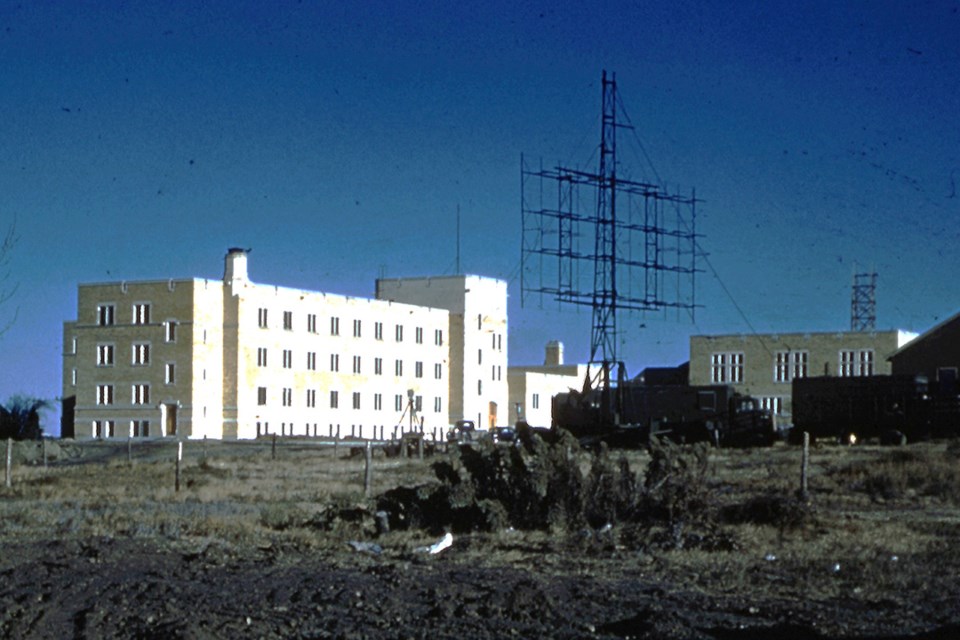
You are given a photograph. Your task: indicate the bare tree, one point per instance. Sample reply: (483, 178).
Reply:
(7, 287)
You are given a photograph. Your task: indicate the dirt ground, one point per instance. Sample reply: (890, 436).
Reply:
(96, 547)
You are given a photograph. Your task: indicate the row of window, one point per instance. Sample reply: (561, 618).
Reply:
(727, 367)
(107, 429)
(263, 316)
(139, 394)
(311, 363)
(399, 401)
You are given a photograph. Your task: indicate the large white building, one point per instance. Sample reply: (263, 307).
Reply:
(532, 387)
(232, 358)
(477, 308)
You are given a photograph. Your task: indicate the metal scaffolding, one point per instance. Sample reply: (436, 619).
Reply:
(863, 302)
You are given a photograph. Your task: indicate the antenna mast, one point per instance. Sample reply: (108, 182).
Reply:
(639, 232)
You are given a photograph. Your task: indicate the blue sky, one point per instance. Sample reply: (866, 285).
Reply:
(140, 140)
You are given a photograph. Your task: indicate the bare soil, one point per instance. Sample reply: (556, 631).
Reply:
(259, 546)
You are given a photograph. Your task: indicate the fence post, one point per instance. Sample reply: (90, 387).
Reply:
(420, 447)
(368, 469)
(9, 479)
(273, 448)
(43, 446)
(804, 464)
(129, 451)
(176, 483)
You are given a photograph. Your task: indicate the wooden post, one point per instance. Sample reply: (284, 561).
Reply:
(176, 483)
(129, 451)
(804, 465)
(43, 446)
(368, 469)
(336, 444)
(9, 478)
(204, 447)
(273, 448)
(420, 447)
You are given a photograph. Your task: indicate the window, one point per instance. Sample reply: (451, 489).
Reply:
(378, 366)
(418, 369)
(170, 331)
(141, 353)
(262, 317)
(438, 371)
(378, 402)
(170, 373)
(141, 394)
(104, 394)
(418, 335)
(436, 404)
(356, 399)
(261, 396)
(493, 341)
(856, 362)
(334, 362)
(104, 355)
(141, 313)
(789, 365)
(105, 314)
(356, 364)
(287, 359)
(356, 328)
(398, 368)
(261, 356)
(479, 356)
(418, 403)
(103, 428)
(499, 342)
(311, 360)
(536, 401)
(479, 387)
(312, 322)
(773, 404)
(398, 333)
(438, 337)
(287, 397)
(726, 368)
(378, 330)
(334, 399)
(73, 345)
(398, 402)
(140, 428)
(288, 320)
(311, 398)
(479, 321)
(334, 326)
(73, 377)
(865, 362)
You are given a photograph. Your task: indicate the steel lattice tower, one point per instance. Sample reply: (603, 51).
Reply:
(863, 302)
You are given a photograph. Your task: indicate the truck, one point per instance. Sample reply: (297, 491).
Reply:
(631, 412)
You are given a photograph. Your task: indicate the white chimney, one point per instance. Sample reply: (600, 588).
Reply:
(235, 266)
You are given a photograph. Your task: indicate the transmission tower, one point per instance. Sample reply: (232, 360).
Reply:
(638, 241)
(863, 302)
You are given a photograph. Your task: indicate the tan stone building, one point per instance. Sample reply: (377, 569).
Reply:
(764, 365)
(232, 358)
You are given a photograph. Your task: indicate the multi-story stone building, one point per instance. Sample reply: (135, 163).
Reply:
(232, 358)
(764, 366)
(477, 309)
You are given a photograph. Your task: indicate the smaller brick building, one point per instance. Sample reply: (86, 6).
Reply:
(764, 365)
(934, 354)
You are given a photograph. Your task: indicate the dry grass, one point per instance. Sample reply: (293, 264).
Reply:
(874, 512)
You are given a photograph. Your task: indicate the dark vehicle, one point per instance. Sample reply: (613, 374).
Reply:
(849, 409)
(631, 412)
(504, 435)
(463, 432)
